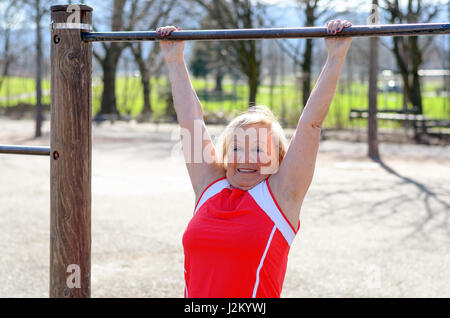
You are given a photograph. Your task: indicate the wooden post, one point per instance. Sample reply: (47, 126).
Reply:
(372, 123)
(71, 147)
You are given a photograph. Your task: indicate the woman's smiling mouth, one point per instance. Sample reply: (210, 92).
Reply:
(243, 170)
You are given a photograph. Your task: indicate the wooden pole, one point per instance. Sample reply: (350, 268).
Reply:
(71, 147)
(372, 124)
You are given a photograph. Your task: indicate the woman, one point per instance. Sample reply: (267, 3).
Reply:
(248, 195)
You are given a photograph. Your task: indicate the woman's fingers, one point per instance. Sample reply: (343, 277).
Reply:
(170, 29)
(332, 26)
(336, 26)
(340, 26)
(167, 30)
(344, 24)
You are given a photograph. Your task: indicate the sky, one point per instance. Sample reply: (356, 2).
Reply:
(286, 10)
(15, 20)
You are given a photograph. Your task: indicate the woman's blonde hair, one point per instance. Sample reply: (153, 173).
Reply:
(254, 115)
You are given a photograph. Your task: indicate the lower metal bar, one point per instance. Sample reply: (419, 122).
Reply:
(274, 33)
(25, 150)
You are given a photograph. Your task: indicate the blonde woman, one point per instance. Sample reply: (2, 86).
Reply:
(250, 192)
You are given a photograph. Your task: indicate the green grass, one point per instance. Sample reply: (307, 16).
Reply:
(285, 100)
(12, 87)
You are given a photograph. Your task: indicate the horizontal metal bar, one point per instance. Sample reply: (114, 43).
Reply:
(25, 150)
(274, 33)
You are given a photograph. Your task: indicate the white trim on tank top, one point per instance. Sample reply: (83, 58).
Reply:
(261, 194)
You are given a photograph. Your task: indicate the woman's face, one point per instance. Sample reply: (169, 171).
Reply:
(251, 156)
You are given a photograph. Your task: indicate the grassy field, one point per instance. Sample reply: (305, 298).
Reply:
(16, 90)
(284, 100)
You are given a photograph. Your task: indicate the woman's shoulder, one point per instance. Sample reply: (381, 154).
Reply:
(208, 181)
(288, 205)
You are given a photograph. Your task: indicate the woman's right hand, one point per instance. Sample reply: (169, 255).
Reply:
(172, 50)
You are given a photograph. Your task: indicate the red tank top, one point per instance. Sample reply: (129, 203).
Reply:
(237, 243)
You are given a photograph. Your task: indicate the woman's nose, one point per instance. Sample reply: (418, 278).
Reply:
(247, 156)
(242, 156)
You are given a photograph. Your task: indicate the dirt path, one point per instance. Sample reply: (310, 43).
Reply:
(367, 229)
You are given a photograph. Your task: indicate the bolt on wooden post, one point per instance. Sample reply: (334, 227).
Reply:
(71, 152)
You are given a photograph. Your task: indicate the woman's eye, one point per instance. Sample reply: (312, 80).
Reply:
(259, 150)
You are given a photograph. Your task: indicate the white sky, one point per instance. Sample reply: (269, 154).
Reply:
(15, 20)
(18, 19)
(359, 5)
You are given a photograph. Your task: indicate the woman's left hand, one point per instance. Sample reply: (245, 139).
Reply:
(337, 47)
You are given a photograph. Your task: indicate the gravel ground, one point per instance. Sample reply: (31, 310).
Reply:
(367, 229)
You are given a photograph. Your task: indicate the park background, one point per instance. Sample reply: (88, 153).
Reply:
(130, 79)
(370, 228)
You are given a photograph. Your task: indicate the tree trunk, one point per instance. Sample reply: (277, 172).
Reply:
(311, 17)
(306, 71)
(146, 87)
(253, 81)
(38, 115)
(219, 78)
(416, 61)
(253, 90)
(415, 94)
(6, 56)
(145, 78)
(405, 96)
(373, 90)
(110, 61)
(170, 108)
(108, 104)
(372, 127)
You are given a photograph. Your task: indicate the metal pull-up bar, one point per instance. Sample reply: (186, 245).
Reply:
(25, 150)
(273, 33)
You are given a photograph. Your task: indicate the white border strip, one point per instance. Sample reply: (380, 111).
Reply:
(81, 26)
(212, 191)
(185, 284)
(263, 198)
(255, 289)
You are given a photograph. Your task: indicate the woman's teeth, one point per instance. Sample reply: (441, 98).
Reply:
(246, 170)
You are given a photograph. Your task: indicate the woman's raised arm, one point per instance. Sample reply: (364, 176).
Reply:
(295, 173)
(199, 152)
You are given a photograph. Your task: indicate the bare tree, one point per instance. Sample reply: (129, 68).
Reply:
(110, 59)
(211, 57)
(239, 14)
(312, 11)
(6, 56)
(312, 14)
(39, 12)
(273, 56)
(149, 61)
(409, 51)
(127, 16)
(36, 10)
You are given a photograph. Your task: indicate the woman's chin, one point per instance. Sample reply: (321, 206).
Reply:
(245, 182)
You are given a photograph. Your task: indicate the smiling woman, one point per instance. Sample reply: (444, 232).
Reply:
(251, 147)
(248, 194)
